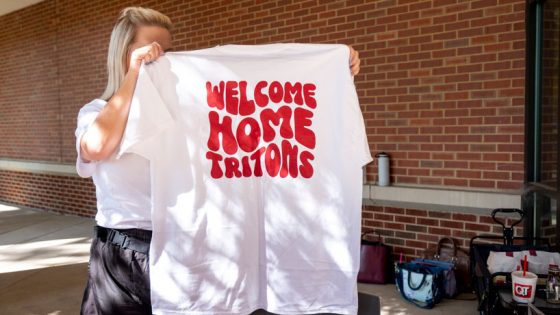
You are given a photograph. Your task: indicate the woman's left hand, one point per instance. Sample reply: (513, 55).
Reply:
(354, 61)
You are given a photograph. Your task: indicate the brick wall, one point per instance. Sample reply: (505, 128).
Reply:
(446, 95)
(29, 100)
(441, 86)
(62, 194)
(412, 231)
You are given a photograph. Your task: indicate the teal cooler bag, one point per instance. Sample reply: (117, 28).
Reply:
(420, 284)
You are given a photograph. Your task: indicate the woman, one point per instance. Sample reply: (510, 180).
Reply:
(118, 280)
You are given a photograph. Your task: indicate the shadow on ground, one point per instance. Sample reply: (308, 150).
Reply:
(53, 290)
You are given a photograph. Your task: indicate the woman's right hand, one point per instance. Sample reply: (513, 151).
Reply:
(147, 54)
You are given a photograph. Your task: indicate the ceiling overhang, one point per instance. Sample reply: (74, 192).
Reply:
(7, 6)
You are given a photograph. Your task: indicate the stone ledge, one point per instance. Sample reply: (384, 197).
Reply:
(440, 199)
(38, 167)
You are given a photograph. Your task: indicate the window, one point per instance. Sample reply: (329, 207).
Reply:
(542, 119)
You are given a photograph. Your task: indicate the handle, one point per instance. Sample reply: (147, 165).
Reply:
(372, 232)
(449, 240)
(508, 210)
(421, 282)
(508, 231)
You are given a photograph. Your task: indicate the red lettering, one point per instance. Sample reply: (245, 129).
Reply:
(290, 90)
(289, 159)
(229, 143)
(302, 120)
(236, 100)
(232, 102)
(246, 107)
(522, 290)
(257, 158)
(282, 158)
(232, 167)
(215, 95)
(260, 98)
(272, 160)
(306, 169)
(268, 116)
(216, 171)
(245, 167)
(308, 95)
(276, 92)
(248, 142)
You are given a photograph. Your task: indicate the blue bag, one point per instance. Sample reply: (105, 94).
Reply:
(448, 268)
(420, 284)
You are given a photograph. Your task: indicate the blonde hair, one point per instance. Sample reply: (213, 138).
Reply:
(122, 38)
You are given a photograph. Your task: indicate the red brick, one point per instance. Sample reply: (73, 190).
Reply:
(405, 235)
(384, 217)
(482, 183)
(477, 227)
(417, 213)
(428, 238)
(464, 217)
(451, 224)
(469, 174)
(464, 234)
(455, 182)
(405, 219)
(439, 231)
(371, 223)
(427, 222)
(416, 244)
(393, 226)
(430, 181)
(439, 215)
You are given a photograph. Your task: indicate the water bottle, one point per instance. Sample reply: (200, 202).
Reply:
(382, 169)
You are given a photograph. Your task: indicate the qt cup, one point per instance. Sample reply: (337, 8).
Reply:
(523, 287)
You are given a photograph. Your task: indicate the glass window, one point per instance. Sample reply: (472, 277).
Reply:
(549, 94)
(542, 118)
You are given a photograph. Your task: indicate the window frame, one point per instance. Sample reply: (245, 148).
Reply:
(534, 13)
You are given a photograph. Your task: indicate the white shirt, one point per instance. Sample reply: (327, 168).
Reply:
(231, 236)
(122, 185)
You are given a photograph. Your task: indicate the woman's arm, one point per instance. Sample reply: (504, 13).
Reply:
(104, 136)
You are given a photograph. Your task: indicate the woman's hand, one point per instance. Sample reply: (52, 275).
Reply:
(146, 53)
(354, 61)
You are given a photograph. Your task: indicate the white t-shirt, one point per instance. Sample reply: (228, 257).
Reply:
(256, 160)
(122, 185)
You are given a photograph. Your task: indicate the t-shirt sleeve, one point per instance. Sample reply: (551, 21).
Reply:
(147, 118)
(86, 117)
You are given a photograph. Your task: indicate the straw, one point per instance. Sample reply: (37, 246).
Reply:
(524, 265)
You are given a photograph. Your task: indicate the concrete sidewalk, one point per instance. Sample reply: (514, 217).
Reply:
(43, 261)
(43, 267)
